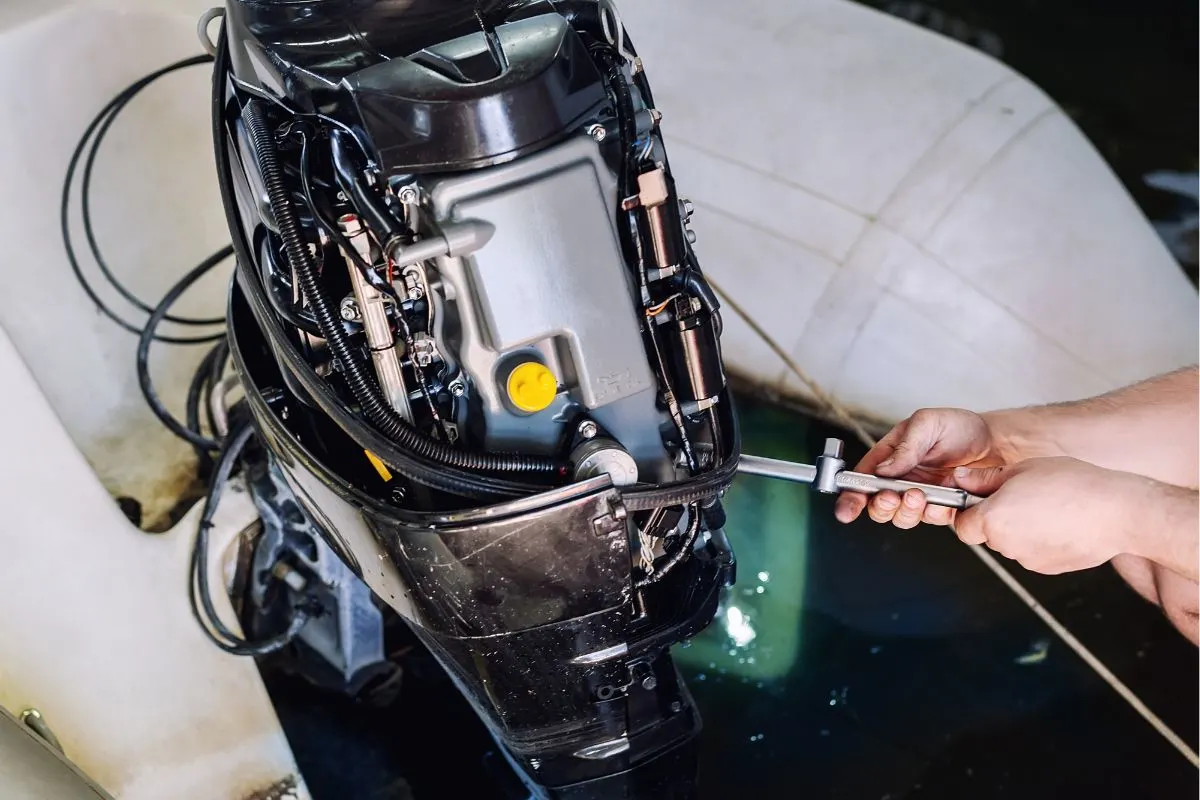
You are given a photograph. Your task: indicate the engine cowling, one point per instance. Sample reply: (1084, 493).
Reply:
(478, 344)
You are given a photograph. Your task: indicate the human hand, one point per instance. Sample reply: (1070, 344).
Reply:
(925, 448)
(1052, 515)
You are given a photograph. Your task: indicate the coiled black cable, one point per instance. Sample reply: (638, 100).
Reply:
(202, 385)
(109, 115)
(361, 383)
(105, 119)
(146, 337)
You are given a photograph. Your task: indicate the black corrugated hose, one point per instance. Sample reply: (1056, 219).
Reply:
(361, 383)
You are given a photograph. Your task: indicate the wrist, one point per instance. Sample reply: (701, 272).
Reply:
(1132, 503)
(1014, 436)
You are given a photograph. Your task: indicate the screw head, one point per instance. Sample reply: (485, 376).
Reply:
(349, 309)
(649, 683)
(408, 194)
(588, 429)
(597, 132)
(458, 388)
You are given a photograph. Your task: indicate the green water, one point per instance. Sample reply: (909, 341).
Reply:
(758, 634)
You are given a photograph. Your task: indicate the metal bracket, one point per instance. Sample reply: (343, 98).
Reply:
(613, 521)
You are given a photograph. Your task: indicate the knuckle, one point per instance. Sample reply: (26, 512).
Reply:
(924, 415)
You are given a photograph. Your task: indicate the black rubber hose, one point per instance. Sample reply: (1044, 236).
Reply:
(361, 383)
(147, 337)
(701, 488)
(346, 170)
(623, 100)
(201, 382)
(283, 307)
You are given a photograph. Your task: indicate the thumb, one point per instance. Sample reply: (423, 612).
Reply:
(981, 482)
(919, 435)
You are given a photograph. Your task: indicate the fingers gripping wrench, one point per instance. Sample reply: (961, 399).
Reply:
(830, 476)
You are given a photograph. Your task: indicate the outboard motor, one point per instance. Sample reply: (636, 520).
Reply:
(483, 364)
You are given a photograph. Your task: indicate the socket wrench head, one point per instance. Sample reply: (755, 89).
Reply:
(829, 464)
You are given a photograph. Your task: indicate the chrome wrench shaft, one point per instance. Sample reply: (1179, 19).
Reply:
(830, 476)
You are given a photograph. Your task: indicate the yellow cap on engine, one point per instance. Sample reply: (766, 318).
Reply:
(532, 387)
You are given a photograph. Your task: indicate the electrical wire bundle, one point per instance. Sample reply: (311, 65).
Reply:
(199, 593)
(206, 379)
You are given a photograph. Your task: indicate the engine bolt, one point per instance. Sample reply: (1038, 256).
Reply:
(458, 389)
(588, 429)
(349, 309)
(408, 194)
(597, 132)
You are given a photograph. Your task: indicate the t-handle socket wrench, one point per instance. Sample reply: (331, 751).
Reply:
(830, 476)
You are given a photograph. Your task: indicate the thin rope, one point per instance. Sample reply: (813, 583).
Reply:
(839, 412)
(831, 405)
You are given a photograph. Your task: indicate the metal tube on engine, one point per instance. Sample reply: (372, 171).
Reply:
(697, 356)
(665, 237)
(372, 310)
(693, 346)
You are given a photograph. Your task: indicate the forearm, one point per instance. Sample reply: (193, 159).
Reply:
(1150, 428)
(1166, 527)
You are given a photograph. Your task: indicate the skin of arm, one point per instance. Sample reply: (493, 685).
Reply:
(1149, 432)
(1175, 595)
(1126, 430)
(1059, 514)
(1149, 428)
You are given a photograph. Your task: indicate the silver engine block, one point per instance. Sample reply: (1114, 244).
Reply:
(512, 302)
